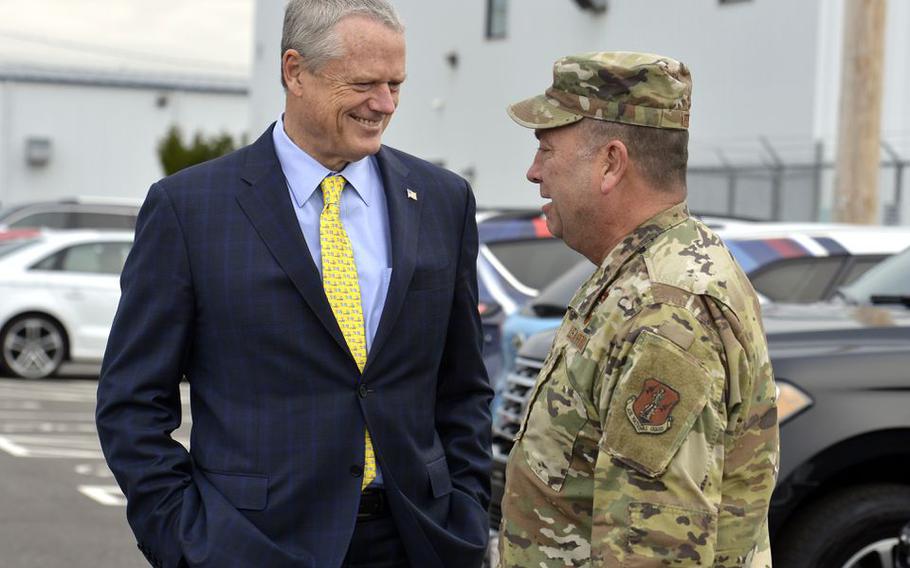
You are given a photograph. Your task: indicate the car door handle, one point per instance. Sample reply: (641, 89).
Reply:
(74, 295)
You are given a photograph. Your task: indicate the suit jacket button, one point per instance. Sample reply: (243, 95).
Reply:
(356, 471)
(362, 391)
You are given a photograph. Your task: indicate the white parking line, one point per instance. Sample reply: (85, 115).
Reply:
(47, 394)
(42, 420)
(109, 495)
(48, 427)
(24, 405)
(94, 470)
(69, 442)
(12, 449)
(32, 448)
(46, 415)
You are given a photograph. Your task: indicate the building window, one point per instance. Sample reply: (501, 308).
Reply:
(497, 18)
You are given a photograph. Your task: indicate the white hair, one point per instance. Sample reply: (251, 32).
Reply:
(309, 26)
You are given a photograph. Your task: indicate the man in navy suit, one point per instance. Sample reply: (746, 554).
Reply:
(224, 287)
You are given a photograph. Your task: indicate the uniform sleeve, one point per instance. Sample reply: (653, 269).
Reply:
(659, 471)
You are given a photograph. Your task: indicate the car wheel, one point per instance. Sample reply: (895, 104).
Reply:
(32, 347)
(854, 528)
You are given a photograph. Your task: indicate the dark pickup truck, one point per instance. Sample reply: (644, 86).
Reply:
(843, 375)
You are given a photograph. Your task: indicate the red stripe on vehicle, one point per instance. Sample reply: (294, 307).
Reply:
(540, 227)
(788, 248)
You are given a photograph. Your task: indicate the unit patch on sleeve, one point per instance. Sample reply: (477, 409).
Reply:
(650, 411)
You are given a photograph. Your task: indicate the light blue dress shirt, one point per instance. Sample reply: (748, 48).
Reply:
(364, 214)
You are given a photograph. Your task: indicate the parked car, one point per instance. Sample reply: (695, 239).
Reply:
(517, 256)
(795, 263)
(101, 213)
(843, 375)
(58, 295)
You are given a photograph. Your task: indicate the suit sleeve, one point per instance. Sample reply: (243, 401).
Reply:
(138, 392)
(463, 397)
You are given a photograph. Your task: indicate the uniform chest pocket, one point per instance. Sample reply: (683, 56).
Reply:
(655, 404)
(555, 417)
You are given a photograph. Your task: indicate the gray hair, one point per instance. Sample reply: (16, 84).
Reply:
(309, 26)
(661, 154)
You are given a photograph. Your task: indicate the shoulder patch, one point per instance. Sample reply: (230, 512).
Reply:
(651, 411)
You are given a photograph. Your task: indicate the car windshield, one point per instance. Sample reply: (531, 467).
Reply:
(9, 247)
(5, 213)
(554, 299)
(535, 262)
(887, 282)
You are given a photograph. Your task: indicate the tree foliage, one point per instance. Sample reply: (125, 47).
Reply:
(175, 154)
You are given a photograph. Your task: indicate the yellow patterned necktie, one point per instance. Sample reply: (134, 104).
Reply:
(339, 278)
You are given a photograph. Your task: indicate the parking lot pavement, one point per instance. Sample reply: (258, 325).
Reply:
(59, 503)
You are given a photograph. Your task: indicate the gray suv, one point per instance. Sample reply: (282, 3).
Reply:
(76, 213)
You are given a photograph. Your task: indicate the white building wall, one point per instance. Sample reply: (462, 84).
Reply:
(762, 69)
(267, 97)
(104, 139)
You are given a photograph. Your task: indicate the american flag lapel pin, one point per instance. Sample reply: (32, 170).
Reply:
(412, 194)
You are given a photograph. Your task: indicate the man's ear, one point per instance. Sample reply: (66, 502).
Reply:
(291, 69)
(614, 158)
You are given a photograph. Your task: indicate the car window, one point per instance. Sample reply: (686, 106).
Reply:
(9, 212)
(554, 299)
(890, 277)
(535, 262)
(859, 266)
(114, 221)
(797, 280)
(48, 219)
(92, 258)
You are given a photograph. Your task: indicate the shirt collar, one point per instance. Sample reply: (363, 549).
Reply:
(304, 174)
(635, 242)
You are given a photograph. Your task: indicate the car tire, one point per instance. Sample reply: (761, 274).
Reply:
(853, 528)
(32, 346)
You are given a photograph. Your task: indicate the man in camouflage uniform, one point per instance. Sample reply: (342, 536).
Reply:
(651, 436)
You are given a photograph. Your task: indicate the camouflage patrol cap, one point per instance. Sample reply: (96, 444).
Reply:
(617, 86)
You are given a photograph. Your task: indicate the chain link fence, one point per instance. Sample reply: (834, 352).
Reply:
(789, 186)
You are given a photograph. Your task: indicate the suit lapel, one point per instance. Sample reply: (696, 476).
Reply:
(404, 221)
(268, 205)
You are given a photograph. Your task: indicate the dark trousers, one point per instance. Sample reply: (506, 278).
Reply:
(376, 544)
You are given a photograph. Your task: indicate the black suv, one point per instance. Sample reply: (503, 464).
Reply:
(843, 375)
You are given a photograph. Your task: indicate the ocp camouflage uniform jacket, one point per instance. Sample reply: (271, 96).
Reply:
(651, 436)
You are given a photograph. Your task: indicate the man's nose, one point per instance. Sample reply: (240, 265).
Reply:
(383, 100)
(533, 174)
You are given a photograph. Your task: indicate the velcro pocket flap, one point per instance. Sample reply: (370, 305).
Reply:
(658, 398)
(555, 417)
(661, 535)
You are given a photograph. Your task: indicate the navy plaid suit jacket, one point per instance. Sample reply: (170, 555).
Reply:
(220, 289)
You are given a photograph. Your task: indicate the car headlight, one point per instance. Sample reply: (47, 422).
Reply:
(791, 401)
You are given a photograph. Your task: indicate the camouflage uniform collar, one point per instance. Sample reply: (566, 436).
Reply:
(635, 242)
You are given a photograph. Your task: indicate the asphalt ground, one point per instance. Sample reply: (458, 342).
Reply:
(59, 503)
